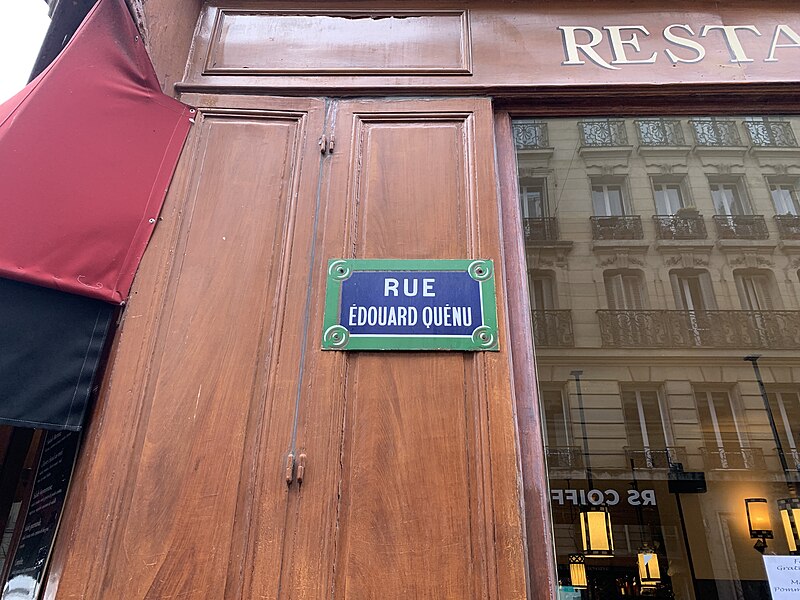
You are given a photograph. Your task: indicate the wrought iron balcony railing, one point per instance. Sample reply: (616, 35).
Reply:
(617, 228)
(788, 227)
(680, 227)
(792, 457)
(655, 458)
(540, 229)
(564, 457)
(744, 329)
(530, 135)
(741, 227)
(774, 134)
(660, 132)
(603, 133)
(552, 328)
(715, 132)
(733, 458)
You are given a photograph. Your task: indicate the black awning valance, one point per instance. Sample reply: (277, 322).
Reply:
(51, 344)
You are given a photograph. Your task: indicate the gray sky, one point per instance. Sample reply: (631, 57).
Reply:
(23, 24)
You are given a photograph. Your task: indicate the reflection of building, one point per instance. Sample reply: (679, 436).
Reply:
(661, 251)
(228, 456)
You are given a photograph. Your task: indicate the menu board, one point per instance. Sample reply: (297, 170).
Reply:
(44, 513)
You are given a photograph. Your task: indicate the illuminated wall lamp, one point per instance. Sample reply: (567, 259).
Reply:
(577, 571)
(758, 522)
(596, 532)
(789, 509)
(649, 572)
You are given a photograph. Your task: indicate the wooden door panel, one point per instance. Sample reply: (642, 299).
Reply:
(425, 468)
(204, 491)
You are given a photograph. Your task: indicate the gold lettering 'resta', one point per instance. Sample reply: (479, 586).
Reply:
(614, 46)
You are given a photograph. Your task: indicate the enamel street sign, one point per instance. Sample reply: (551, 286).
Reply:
(410, 305)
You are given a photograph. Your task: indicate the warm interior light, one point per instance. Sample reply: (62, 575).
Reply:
(758, 518)
(596, 531)
(790, 511)
(577, 571)
(649, 573)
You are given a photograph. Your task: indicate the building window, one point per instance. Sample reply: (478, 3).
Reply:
(625, 290)
(542, 289)
(669, 196)
(729, 197)
(533, 194)
(724, 439)
(785, 405)
(608, 198)
(756, 288)
(558, 427)
(693, 290)
(646, 428)
(784, 196)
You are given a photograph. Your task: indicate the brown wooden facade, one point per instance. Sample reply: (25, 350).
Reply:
(228, 456)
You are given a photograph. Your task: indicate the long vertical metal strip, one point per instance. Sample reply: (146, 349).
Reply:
(326, 129)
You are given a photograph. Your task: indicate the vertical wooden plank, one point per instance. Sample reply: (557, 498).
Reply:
(425, 502)
(534, 470)
(189, 448)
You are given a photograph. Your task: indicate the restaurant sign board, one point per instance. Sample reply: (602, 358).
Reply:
(376, 304)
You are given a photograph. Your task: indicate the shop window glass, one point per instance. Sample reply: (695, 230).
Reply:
(651, 410)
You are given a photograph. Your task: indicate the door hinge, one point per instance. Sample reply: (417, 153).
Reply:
(326, 145)
(291, 474)
(301, 468)
(289, 469)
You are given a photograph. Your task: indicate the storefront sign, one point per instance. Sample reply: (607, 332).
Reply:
(44, 514)
(508, 44)
(609, 497)
(783, 574)
(410, 305)
(680, 44)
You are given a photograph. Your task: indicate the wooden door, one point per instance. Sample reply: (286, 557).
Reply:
(182, 478)
(411, 487)
(410, 484)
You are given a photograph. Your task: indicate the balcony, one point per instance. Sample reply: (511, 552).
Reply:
(660, 132)
(540, 229)
(603, 133)
(655, 458)
(788, 227)
(680, 227)
(792, 458)
(732, 458)
(552, 328)
(617, 228)
(530, 135)
(564, 457)
(715, 133)
(741, 329)
(771, 134)
(741, 227)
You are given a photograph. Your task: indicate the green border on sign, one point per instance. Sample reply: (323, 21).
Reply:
(336, 337)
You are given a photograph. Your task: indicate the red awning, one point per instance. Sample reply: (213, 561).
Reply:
(87, 151)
